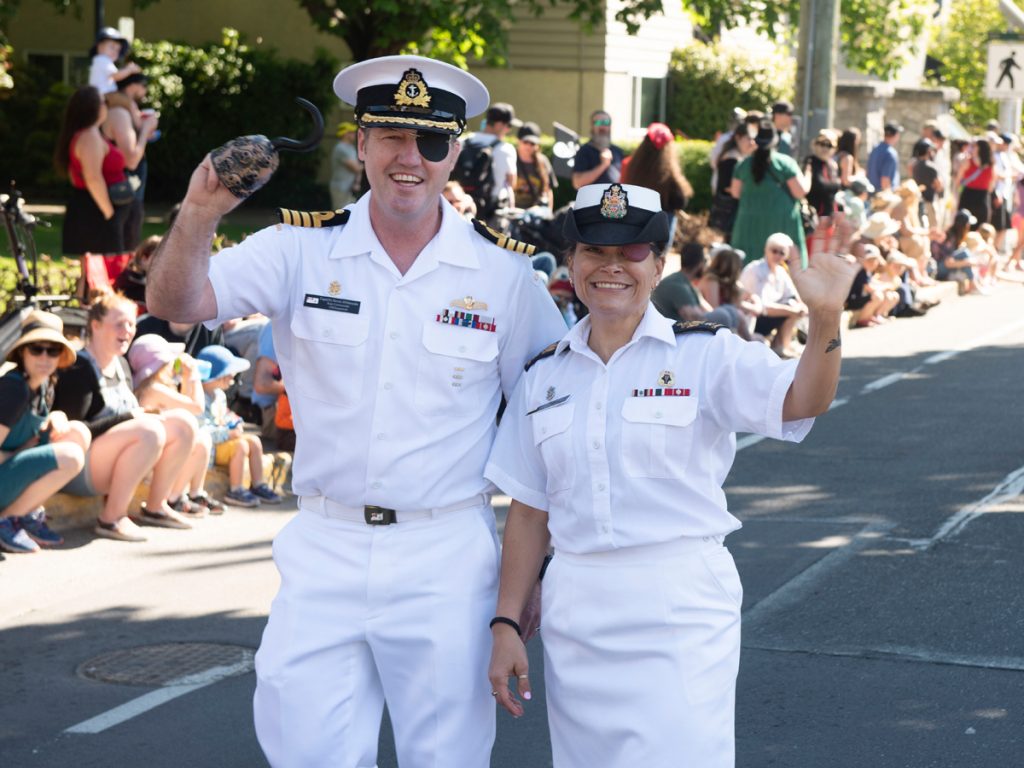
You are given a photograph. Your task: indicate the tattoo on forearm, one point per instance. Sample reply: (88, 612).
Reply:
(834, 344)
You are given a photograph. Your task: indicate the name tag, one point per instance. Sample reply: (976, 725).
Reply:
(332, 303)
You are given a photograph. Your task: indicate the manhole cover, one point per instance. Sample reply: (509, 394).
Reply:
(169, 663)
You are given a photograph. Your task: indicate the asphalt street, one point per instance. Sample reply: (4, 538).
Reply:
(881, 560)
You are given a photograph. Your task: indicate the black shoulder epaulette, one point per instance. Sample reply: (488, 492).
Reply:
(502, 240)
(695, 326)
(548, 351)
(315, 219)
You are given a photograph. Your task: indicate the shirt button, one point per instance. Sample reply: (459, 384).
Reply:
(376, 484)
(597, 406)
(462, 349)
(604, 529)
(327, 333)
(543, 430)
(380, 435)
(597, 444)
(388, 385)
(394, 334)
(600, 486)
(657, 414)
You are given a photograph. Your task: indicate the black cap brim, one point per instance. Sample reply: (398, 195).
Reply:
(587, 225)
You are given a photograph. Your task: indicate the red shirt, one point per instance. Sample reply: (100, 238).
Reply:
(112, 168)
(982, 180)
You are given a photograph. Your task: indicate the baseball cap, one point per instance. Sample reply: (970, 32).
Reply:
(529, 131)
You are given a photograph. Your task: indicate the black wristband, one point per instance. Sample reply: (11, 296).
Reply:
(544, 567)
(505, 620)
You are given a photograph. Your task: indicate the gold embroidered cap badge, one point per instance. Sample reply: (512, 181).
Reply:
(412, 91)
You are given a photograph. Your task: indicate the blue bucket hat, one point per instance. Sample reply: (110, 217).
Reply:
(222, 362)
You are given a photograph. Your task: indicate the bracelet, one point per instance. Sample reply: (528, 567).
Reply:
(544, 567)
(506, 620)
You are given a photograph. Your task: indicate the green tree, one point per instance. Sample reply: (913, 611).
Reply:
(959, 48)
(870, 31)
(455, 30)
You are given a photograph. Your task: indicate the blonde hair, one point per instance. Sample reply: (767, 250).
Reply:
(102, 303)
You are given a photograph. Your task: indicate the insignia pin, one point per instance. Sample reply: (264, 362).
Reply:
(666, 379)
(550, 394)
(334, 288)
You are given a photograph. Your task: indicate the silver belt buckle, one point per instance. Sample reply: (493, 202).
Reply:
(379, 515)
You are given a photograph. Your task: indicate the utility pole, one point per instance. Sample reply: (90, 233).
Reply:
(98, 17)
(816, 65)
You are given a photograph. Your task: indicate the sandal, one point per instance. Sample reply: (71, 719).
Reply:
(161, 519)
(116, 532)
(212, 504)
(186, 505)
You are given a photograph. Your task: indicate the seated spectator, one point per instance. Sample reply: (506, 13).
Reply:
(952, 259)
(881, 230)
(869, 299)
(913, 235)
(675, 296)
(267, 386)
(40, 450)
(734, 306)
(462, 202)
(984, 255)
(233, 448)
(165, 379)
(127, 442)
(561, 290)
(855, 200)
(895, 275)
(132, 281)
(242, 337)
(193, 336)
(781, 308)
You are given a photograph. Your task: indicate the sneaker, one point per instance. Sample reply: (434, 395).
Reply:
(202, 497)
(34, 524)
(266, 494)
(123, 530)
(14, 539)
(241, 497)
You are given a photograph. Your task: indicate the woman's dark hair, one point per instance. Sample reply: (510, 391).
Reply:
(957, 233)
(766, 140)
(83, 110)
(984, 153)
(849, 142)
(725, 267)
(658, 169)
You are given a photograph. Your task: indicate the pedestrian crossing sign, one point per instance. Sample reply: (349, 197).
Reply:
(1005, 76)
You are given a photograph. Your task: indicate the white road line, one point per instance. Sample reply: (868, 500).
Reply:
(838, 402)
(1010, 488)
(748, 440)
(154, 699)
(883, 382)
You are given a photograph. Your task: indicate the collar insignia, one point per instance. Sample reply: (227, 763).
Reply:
(550, 395)
(614, 202)
(334, 288)
(666, 379)
(412, 91)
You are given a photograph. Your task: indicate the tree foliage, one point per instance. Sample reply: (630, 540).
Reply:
(959, 47)
(453, 30)
(872, 33)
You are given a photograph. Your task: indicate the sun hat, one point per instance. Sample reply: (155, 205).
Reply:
(616, 214)
(222, 362)
(149, 353)
(879, 224)
(44, 326)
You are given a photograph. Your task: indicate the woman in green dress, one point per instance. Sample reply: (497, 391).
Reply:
(769, 186)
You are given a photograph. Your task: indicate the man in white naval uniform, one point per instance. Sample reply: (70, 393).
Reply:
(397, 327)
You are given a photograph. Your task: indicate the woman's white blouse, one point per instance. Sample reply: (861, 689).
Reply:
(636, 451)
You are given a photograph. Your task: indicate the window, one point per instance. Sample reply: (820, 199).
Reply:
(648, 100)
(70, 68)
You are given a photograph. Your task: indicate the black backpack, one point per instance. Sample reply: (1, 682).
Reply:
(473, 172)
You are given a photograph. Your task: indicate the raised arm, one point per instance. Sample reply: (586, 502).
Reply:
(177, 286)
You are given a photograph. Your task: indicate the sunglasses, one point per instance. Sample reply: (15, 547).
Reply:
(779, 251)
(603, 121)
(51, 350)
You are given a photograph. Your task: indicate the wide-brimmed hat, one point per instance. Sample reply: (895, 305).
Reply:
(44, 326)
(109, 33)
(616, 214)
(411, 92)
(879, 225)
(149, 354)
(222, 362)
(884, 200)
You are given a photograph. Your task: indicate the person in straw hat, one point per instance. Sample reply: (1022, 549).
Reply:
(398, 327)
(40, 450)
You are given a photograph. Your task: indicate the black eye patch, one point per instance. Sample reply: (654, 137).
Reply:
(432, 146)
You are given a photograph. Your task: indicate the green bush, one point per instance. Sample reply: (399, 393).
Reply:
(30, 120)
(706, 83)
(209, 95)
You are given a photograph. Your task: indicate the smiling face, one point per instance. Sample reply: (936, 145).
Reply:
(403, 182)
(611, 285)
(112, 334)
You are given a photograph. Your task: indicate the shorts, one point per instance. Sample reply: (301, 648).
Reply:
(81, 484)
(24, 468)
(766, 325)
(224, 452)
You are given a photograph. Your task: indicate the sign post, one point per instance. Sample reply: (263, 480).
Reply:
(1004, 80)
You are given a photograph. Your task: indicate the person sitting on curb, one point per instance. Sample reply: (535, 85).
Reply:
(233, 447)
(781, 308)
(869, 299)
(40, 450)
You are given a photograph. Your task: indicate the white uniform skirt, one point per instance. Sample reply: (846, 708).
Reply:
(641, 651)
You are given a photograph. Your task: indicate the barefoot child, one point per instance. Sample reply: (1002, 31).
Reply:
(232, 446)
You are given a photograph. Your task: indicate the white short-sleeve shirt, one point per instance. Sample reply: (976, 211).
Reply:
(635, 452)
(773, 286)
(101, 74)
(392, 406)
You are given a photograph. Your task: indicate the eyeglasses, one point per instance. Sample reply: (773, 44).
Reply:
(604, 121)
(777, 251)
(51, 350)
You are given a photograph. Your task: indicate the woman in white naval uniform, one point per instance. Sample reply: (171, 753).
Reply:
(614, 448)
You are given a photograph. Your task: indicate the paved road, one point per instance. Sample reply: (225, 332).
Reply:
(884, 620)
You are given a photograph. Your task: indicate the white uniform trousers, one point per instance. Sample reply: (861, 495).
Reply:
(641, 652)
(368, 614)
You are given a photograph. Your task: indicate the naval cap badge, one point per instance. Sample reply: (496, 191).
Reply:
(412, 91)
(614, 202)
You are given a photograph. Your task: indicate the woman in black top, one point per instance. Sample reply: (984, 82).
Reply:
(824, 174)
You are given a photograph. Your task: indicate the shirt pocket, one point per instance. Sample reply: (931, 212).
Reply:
(330, 355)
(657, 435)
(457, 368)
(553, 437)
